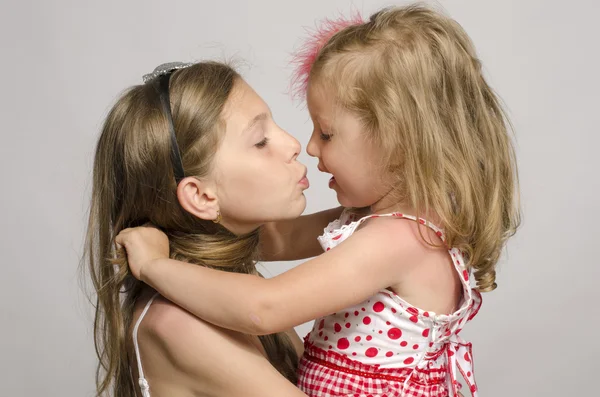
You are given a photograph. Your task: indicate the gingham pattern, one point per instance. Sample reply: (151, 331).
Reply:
(328, 374)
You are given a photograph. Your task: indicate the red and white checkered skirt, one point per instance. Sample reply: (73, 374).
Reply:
(327, 374)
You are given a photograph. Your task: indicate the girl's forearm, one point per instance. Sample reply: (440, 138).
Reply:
(228, 300)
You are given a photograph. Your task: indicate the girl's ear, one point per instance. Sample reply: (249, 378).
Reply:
(198, 197)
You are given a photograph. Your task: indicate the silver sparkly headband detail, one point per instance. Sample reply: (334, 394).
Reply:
(164, 69)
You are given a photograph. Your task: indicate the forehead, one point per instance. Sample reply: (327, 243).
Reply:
(322, 104)
(242, 106)
(326, 109)
(318, 98)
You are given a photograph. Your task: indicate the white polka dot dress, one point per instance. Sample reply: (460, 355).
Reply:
(384, 346)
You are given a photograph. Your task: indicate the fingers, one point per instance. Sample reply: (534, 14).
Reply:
(120, 241)
(121, 238)
(127, 235)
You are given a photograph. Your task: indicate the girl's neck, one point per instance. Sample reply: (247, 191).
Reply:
(390, 203)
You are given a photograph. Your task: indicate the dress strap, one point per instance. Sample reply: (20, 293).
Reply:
(143, 383)
(438, 231)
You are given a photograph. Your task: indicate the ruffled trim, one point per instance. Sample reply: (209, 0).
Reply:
(428, 375)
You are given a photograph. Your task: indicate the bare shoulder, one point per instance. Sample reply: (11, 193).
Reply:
(402, 244)
(427, 278)
(181, 336)
(203, 358)
(396, 236)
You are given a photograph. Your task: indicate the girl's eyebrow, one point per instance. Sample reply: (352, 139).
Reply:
(257, 119)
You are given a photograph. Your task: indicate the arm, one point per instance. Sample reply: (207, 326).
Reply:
(296, 238)
(370, 260)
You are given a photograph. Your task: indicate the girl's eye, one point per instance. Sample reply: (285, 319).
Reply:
(262, 143)
(325, 137)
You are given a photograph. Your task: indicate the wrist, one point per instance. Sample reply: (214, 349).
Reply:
(146, 270)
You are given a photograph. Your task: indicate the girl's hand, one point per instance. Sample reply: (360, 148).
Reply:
(143, 245)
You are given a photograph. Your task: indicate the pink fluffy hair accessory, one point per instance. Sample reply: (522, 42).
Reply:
(304, 58)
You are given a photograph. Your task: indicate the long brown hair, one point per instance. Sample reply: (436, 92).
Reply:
(413, 78)
(133, 183)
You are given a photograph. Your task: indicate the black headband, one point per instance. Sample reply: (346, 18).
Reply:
(161, 84)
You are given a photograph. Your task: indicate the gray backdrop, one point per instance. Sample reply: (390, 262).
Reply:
(64, 62)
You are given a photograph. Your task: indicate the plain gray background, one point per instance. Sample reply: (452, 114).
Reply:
(64, 62)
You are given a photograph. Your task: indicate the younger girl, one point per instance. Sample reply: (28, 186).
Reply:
(416, 140)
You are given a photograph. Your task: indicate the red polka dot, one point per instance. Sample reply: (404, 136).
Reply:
(473, 388)
(426, 332)
(415, 347)
(450, 353)
(469, 374)
(369, 337)
(403, 343)
(439, 234)
(347, 325)
(380, 332)
(367, 320)
(363, 309)
(466, 275)
(321, 333)
(413, 311)
(409, 360)
(448, 333)
(337, 237)
(346, 315)
(328, 248)
(467, 357)
(378, 307)
(357, 339)
(354, 354)
(387, 323)
(322, 324)
(337, 327)
(356, 313)
(393, 310)
(330, 346)
(394, 333)
(414, 319)
(430, 344)
(326, 337)
(426, 314)
(389, 354)
(371, 352)
(421, 221)
(343, 344)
